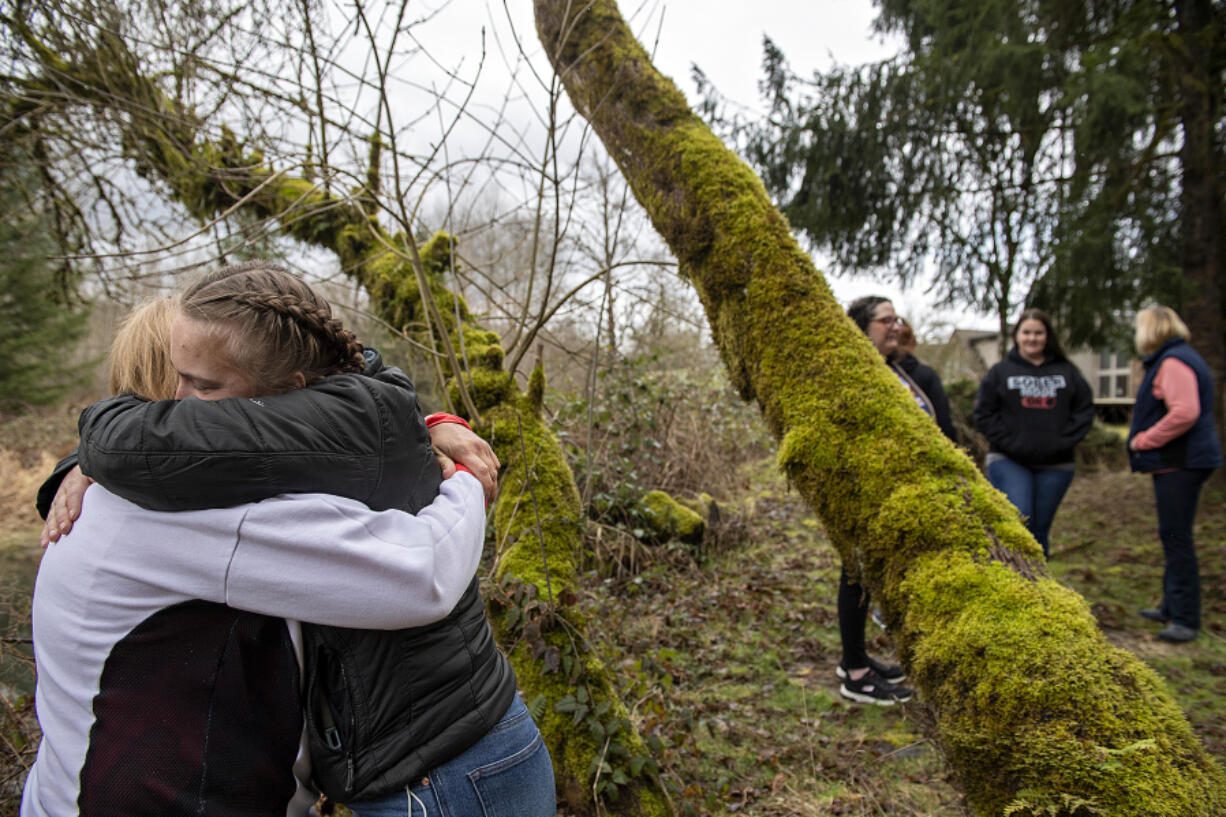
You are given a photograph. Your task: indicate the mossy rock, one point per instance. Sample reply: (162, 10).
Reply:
(669, 519)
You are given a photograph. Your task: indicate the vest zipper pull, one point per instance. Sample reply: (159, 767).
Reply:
(333, 738)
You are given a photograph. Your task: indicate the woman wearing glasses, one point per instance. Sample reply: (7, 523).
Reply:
(1034, 407)
(863, 678)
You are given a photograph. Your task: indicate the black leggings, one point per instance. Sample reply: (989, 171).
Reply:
(853, 617)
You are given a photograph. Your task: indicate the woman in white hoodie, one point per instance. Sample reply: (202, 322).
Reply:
(167, 644)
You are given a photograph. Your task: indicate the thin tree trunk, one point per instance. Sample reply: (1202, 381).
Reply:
(1034, 710)
(1201, 220)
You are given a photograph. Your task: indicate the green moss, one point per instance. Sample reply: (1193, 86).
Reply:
(701, 505)
(482, 348)
(488, 389)
(354, 243)
(538, 520)
(535, 475)
(535, 401)
(669, 519)
(1026, 695)
(1020, 711)
(436, 254)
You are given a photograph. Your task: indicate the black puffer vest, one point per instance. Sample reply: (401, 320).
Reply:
(383, 707)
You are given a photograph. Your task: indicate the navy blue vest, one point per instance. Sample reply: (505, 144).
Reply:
(1198, 447)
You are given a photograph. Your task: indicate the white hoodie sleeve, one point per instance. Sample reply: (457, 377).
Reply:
(333, 561)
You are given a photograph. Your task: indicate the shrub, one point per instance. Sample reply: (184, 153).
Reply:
(1103, 448)
(681, 431)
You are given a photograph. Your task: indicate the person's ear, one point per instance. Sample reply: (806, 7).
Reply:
(298, 380)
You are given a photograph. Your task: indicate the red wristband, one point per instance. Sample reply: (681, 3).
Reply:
(440, 417)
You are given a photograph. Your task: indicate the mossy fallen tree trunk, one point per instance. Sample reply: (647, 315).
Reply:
(1035, 711)
(601, 762)
(539, 521)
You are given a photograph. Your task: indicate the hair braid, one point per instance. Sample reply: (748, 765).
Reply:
(274, 325)
(346, 351)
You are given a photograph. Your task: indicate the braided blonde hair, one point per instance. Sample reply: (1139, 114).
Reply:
(272, 325)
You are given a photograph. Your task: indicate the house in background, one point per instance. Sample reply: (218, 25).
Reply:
(1113, 374)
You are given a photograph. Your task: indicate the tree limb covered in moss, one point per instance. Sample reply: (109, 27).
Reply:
(1031, 703)
(217, 176)
(608, 768)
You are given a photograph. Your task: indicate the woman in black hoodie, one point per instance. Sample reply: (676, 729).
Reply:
(1034, 407)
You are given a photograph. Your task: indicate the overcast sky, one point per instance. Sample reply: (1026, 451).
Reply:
(724, 38)
(727, 44)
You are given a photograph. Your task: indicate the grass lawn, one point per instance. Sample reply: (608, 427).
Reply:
(739, 648)
(743, 648)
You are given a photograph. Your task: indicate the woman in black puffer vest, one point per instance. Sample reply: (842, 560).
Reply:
(393, 717)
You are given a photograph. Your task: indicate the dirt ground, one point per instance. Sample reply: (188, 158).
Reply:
(742, 646)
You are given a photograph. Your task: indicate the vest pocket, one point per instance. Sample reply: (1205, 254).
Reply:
(332, 724)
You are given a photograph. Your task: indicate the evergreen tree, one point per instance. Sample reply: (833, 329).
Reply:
(36, 332)
(1054, 154)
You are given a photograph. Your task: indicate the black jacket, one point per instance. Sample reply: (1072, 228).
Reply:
(357, 437)
(927, 379)
(382, 707)
(1034, 415)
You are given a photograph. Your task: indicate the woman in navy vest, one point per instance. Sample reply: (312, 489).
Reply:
(1173, 438)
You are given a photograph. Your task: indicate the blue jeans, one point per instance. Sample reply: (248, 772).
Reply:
(1176, 494)
(1035, 492)
(507, 773)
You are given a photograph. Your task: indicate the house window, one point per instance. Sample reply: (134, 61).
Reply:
(1114, 374)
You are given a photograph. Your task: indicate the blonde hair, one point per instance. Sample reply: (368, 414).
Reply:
(1155, 326)
(272, 325)
(140, 353)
